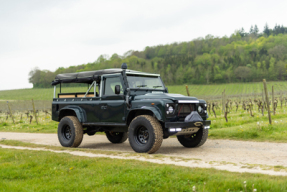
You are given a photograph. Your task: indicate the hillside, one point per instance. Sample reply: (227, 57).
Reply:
(242, 57)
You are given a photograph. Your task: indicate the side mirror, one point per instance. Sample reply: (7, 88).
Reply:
(166, 90)
(117, 89)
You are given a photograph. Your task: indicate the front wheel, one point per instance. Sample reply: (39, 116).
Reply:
(116, 137)
(145, 134)
(70, 132)
(193, 140)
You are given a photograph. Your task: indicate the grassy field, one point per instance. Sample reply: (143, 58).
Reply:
(200, 91)
(45, 124)
(24, 170)
(241, 126)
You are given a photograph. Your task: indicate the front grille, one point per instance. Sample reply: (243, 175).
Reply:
(184, 109)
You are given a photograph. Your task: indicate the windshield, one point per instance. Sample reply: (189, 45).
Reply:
(146, 82)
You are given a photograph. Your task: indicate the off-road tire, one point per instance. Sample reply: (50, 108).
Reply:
(145, 134)
(70, 132)
(116, 137)
(194, 140)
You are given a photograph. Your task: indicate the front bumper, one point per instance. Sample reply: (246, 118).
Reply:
(185, 128)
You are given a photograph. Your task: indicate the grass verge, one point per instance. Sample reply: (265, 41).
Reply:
(24, 170)
(140, 155)
(241, 126)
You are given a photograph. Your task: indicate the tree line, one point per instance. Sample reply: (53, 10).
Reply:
(242, 57)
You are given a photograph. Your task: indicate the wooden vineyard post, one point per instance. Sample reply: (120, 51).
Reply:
(263, 103)
(267, 101)
(226, 111)
(223, 101)
(187, 91)
(272, 100)
(34, 111)
(213, 105)
(224, 97)
(10, 112)
(281, 99)
(273, 105)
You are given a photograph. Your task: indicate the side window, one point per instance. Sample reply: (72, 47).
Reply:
(110, 83)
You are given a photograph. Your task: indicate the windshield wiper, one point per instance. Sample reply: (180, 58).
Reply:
(141, 85)
(157, 86)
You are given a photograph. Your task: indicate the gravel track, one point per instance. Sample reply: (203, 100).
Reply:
(237, 156)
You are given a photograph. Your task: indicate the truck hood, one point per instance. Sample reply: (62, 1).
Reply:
(170, 96)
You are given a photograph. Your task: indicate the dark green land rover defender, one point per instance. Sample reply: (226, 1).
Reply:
(127, 104)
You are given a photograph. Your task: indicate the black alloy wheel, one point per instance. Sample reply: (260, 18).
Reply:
(141, 135)
(67, 132)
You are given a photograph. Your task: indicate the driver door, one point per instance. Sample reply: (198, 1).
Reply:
(112, 107)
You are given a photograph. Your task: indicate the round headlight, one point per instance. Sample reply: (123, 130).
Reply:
(170, 109)
(199, 109)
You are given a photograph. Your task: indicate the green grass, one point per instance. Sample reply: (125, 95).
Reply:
(49, 127)
(24, 170)
(277, 168)
(45, 124)
(241, 126)
(201, 91)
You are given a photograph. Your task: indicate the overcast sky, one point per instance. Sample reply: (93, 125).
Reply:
(60, 33)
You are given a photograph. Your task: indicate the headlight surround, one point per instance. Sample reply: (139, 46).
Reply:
(169, 109)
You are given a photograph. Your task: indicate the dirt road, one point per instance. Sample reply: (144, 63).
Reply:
(239, 156)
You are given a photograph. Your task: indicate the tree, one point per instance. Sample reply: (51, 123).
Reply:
(281, 70)
(102, 58)
(279, 52)
(251, 30)
(41, 79)
(242, 32)
(271, 70)
(256, 30)
(114, 56)
(266, 30)
(161, 51)
(179, 75)
(242, 72)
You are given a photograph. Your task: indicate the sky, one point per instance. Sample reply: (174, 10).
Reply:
(60, 33)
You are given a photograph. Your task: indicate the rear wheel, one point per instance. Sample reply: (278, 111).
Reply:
(70, 132)
(145, 134)
(193, 140)
(116, 137)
